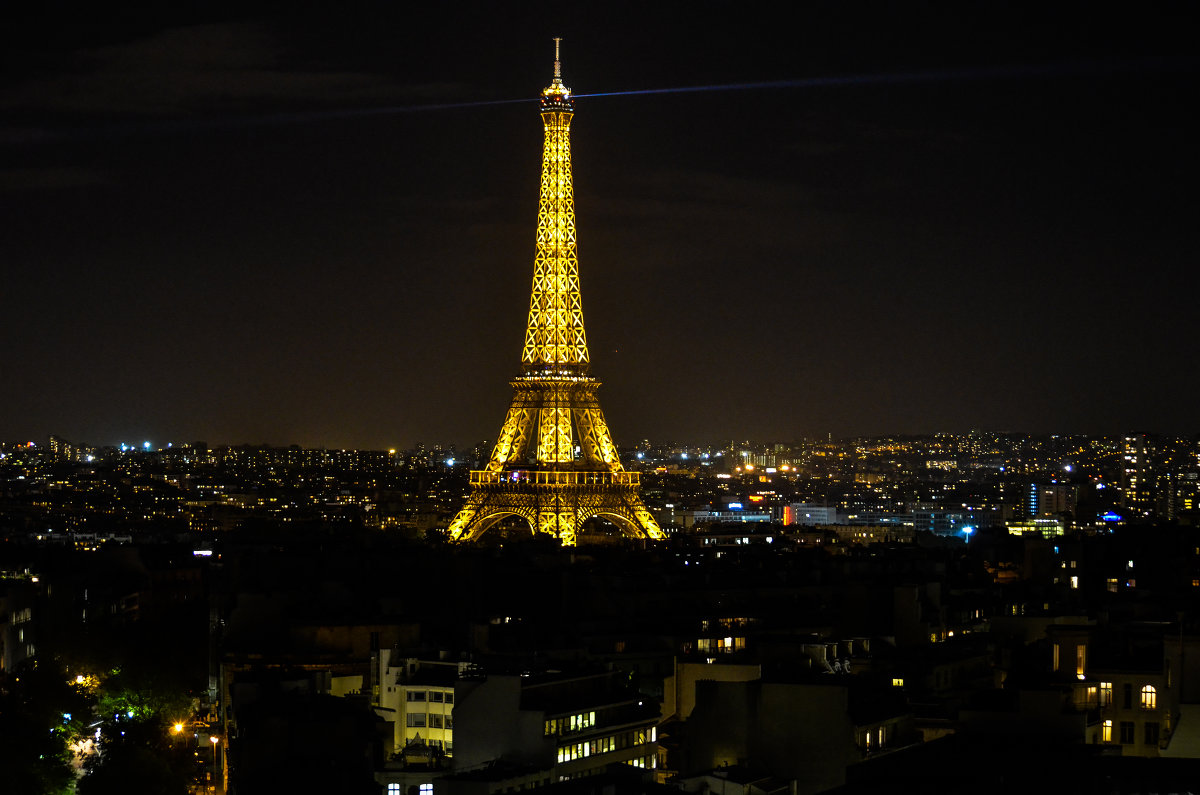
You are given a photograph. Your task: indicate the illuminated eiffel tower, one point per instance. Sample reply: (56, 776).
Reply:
(555, 464)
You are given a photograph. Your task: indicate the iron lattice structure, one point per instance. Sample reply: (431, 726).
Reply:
(555, 464)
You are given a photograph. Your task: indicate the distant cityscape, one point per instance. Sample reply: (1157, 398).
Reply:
(947, 484)
(821, 616)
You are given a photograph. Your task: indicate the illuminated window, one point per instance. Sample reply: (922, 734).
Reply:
(1075, 583)
(1054, 665)
(425, 789)
(1080, 659)
(580, 721)
(897, 681)
(1105, 693)
(1106, 731)
(1149, 697)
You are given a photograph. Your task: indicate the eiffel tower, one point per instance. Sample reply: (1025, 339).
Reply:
(555, 464)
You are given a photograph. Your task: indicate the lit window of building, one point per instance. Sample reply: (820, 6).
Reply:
(897, 681)
(1106, 731)
(1149, 697)
(1105, 693)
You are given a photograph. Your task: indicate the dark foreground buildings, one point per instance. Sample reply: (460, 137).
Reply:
(372, 663)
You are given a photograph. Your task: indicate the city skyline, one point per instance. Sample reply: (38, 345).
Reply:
(245, 229)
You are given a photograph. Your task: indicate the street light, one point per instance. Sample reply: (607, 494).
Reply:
(215, 742)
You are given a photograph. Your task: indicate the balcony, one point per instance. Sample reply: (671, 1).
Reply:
(521, 479)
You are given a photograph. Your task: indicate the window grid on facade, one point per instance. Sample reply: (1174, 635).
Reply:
(603, 745)
(1149, 697)
(570, 723)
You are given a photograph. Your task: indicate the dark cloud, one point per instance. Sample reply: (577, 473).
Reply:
(234, 67)
(48, 179)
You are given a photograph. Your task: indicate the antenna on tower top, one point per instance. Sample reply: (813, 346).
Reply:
(557, 65)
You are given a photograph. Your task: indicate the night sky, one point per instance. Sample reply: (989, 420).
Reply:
(240, 224)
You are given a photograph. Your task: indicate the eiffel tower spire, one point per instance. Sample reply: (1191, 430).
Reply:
(555, 464)
(555, 336)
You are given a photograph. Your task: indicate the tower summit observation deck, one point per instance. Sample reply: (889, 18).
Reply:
(555, 464)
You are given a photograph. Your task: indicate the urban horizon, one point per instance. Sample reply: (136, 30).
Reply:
(159, 444)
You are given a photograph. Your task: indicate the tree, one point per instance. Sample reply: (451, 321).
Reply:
(40, 716)
(137, 757)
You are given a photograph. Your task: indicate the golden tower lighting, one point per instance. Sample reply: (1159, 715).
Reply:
(555, 465)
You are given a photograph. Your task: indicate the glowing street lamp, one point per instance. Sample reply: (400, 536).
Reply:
(215, 742)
